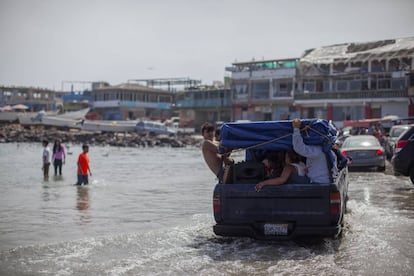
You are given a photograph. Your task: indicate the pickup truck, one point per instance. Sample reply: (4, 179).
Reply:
(281, 211)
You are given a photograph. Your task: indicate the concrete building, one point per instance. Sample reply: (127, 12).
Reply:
(263, 90)
(203, 104)
(354, 81)
(35, 98)
(132, 101)
(347, 81)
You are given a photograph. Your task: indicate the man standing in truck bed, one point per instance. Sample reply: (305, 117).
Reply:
(316, 160)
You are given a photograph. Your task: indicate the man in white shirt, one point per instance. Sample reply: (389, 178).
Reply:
(316, 160)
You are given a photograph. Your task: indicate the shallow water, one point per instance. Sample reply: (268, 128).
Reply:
(148, 211)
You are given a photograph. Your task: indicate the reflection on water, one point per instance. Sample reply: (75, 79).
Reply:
(83, 204)
(82, 201)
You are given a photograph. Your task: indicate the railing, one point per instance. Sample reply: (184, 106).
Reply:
(351, 95)
(204, 103)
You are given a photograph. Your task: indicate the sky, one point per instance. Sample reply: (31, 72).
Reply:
(55, 43)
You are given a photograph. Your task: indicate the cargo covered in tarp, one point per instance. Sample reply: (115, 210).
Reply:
(275, 135)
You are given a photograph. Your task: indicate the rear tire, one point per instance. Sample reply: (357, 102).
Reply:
(381, 169)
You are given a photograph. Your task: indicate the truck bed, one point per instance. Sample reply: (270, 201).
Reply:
(282, 211)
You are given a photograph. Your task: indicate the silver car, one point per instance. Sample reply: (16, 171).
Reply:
(364, 151)
(392, 137)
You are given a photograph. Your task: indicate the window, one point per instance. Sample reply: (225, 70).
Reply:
(282, 88)
(326, 87)
(398, 84)
(260, 90)
(165, 99)
(240, 91)
(240, 88)
(309, 86)
(355, 85)
(384, 84)
(153, 98)
(341, 85)
(198, 96)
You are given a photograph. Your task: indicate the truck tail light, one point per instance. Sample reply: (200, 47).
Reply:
(216, 204)
(335, 203)
(400, 144)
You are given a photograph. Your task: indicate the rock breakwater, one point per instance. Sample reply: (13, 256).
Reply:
(15, 133)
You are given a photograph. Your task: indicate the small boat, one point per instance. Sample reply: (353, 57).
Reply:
(154, 128)
(71, 119)
(109, 126)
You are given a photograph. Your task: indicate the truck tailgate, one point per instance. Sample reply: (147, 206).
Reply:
(300, 204)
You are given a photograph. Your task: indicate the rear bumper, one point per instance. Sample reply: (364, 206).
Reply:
(249, 231)
(399, 166)
(380, 162)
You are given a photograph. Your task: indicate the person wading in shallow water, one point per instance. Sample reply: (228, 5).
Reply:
(83, 166)
(209, 148)
(46, 159)
(59, 156)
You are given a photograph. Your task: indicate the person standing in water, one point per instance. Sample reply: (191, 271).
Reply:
(83, 166)
(46, 159)
(59, 156)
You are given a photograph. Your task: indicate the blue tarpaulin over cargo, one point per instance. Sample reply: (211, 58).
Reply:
(275, 135)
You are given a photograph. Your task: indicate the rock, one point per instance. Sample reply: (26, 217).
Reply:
(15, 133)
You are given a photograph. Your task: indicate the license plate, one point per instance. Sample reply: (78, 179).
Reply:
(271, 229)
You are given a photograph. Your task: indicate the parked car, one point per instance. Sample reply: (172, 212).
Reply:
(340, 140)
(403, 158)
(392, 137)
(364, 151)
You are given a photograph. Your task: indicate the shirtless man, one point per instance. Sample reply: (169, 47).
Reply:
(209, 148)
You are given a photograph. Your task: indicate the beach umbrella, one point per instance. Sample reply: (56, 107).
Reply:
(20, 106)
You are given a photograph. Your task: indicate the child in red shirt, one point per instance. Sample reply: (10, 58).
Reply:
(83, 166)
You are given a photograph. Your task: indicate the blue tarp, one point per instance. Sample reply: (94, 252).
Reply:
(274, 135)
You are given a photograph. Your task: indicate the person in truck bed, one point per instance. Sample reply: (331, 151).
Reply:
(211, 155)
(318, 166)
(274, 162)
(293, 172)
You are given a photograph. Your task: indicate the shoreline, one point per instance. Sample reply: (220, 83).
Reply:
(16, 133)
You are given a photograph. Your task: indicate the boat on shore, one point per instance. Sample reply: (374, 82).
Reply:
(71, 119)
(154, 128)
(109, 126)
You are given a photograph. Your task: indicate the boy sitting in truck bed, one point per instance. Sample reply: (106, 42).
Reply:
(293, 172)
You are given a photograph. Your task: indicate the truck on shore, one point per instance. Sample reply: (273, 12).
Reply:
(282, 211)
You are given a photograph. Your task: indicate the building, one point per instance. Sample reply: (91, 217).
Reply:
(203, 104)
(35, 98)
(263, 90)
(347, 81)
(72, 101)
(132, 101)
(353, 81)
